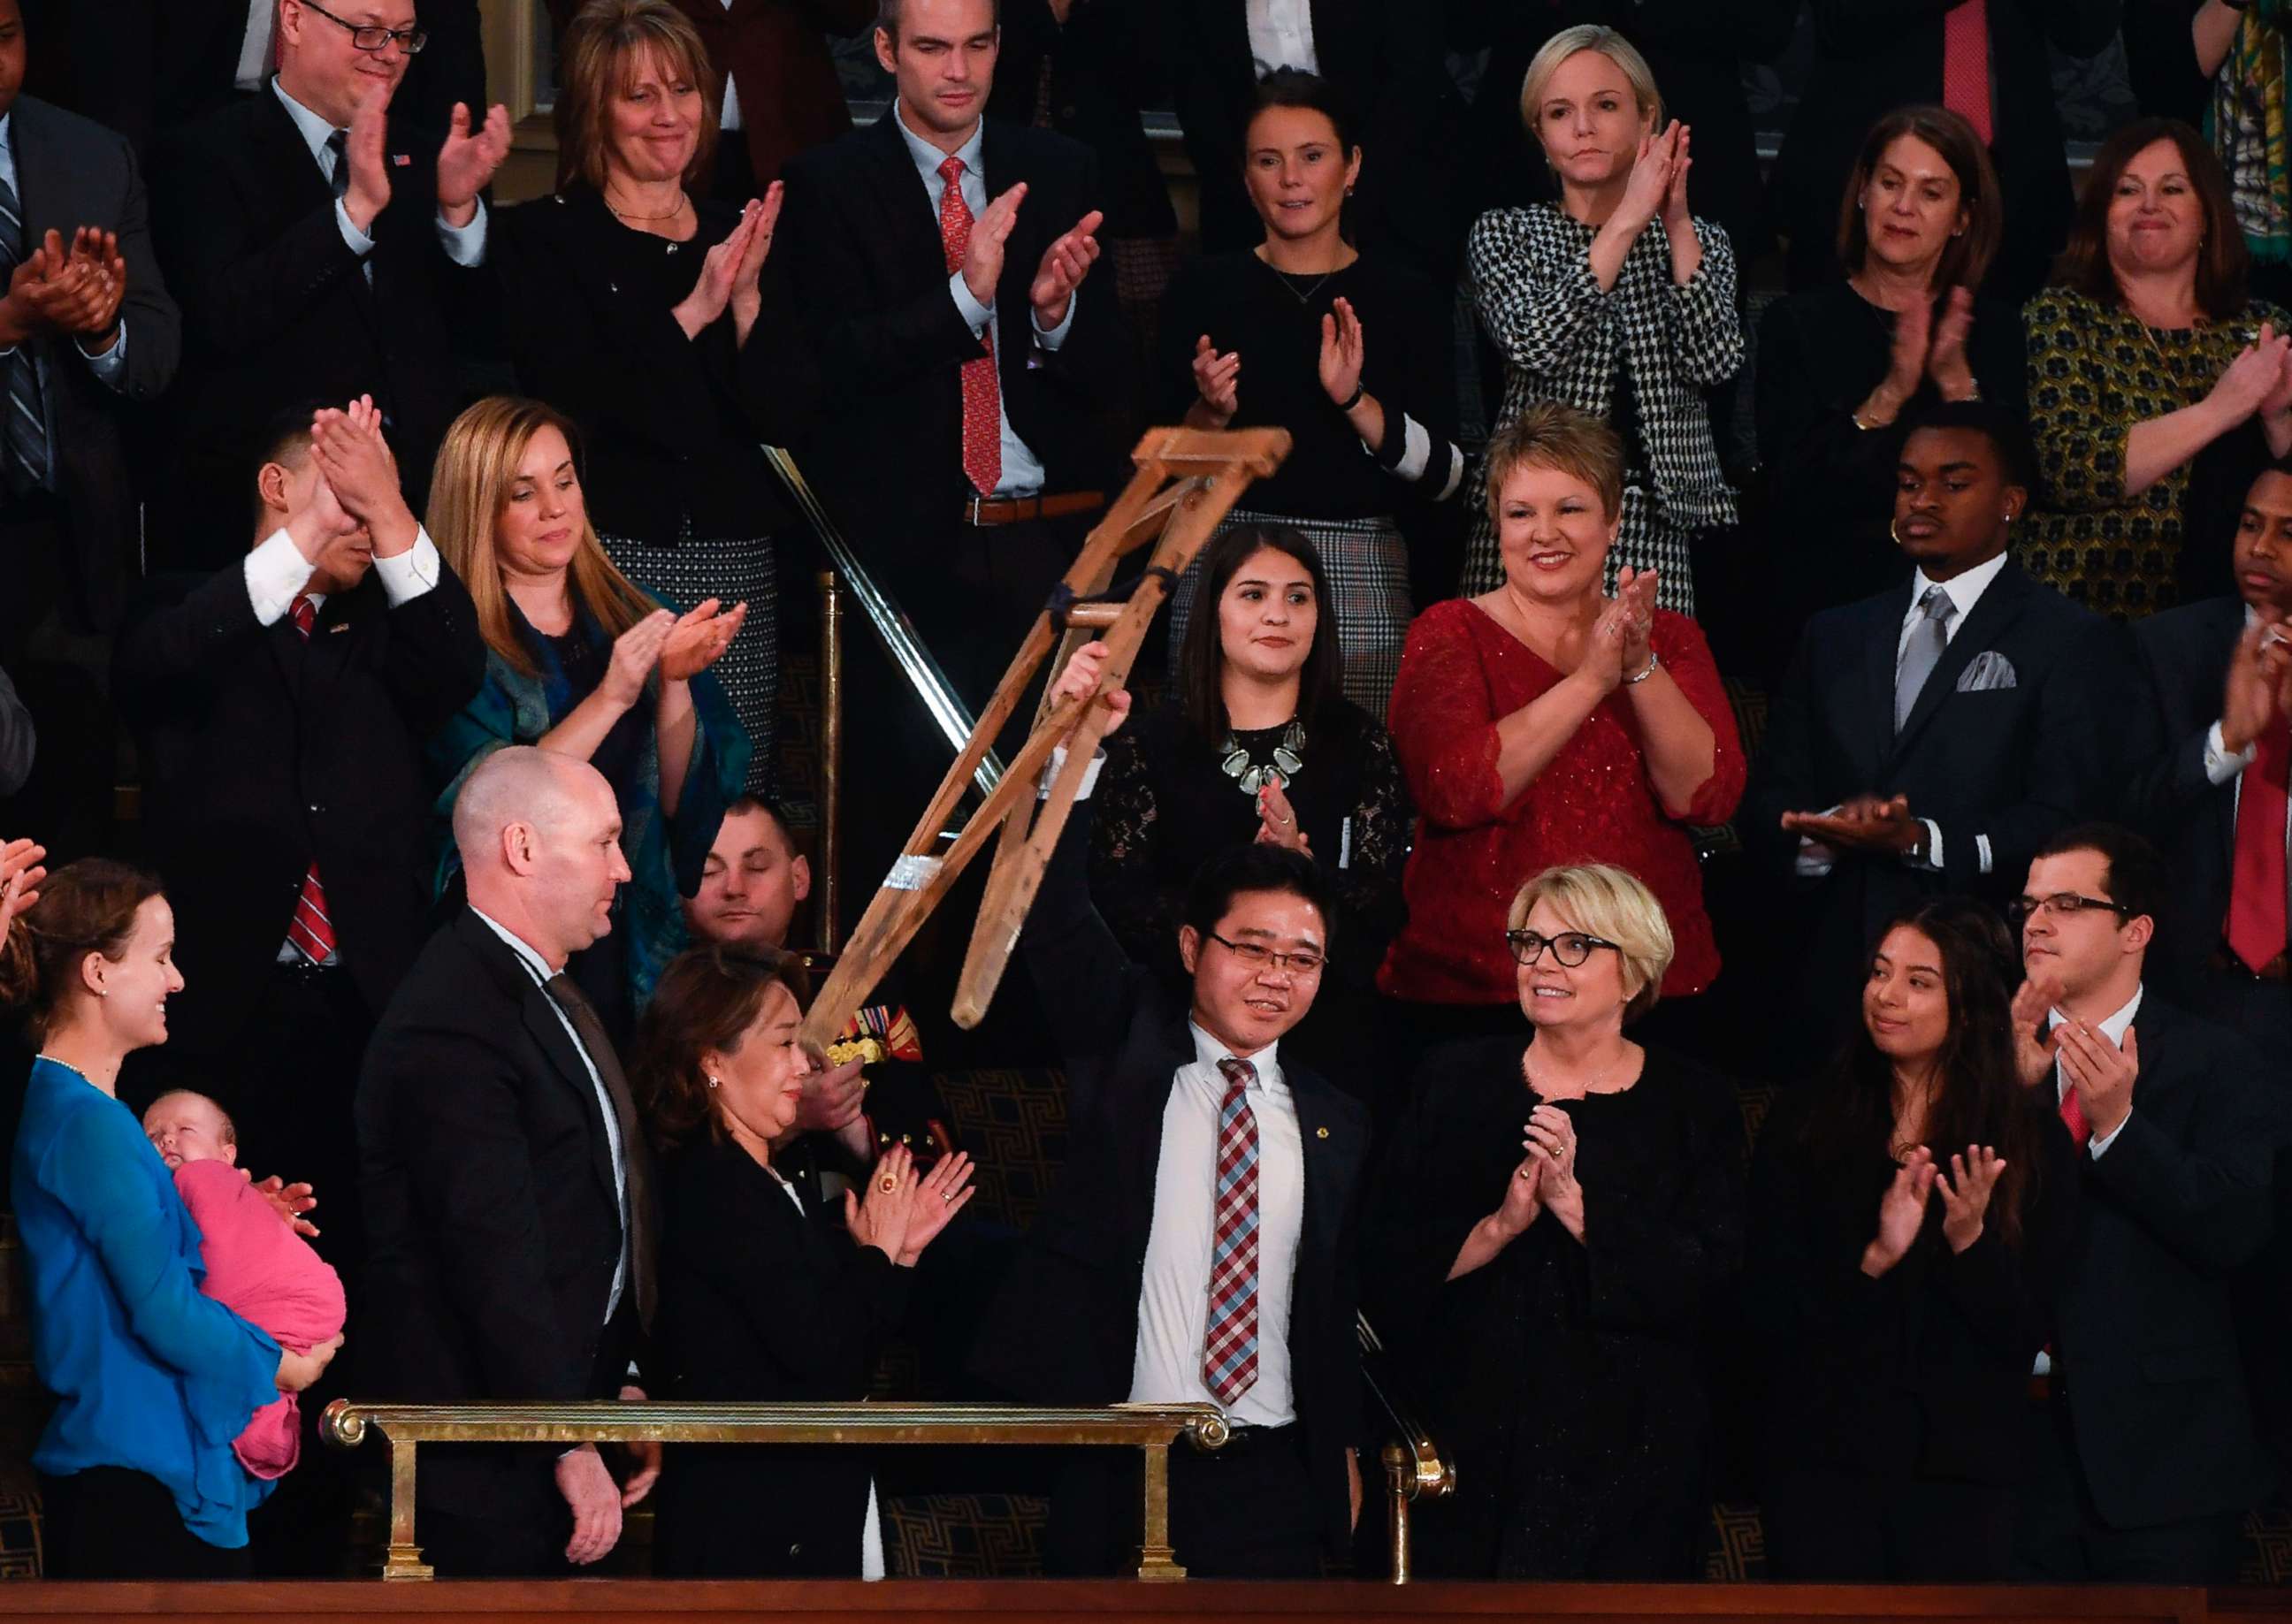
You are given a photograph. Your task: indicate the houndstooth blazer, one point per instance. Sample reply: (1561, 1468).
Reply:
(1562, 338)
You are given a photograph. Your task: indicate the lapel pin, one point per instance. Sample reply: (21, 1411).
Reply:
(1320, 1133)
(340, 625)
(400, 159)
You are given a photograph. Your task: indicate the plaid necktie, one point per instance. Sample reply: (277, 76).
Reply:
(310, 932)
(25, 463)
(1229, 1342)
(982, 391)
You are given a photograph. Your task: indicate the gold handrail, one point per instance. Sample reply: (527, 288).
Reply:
(1414, 1467)
(1151, 1428)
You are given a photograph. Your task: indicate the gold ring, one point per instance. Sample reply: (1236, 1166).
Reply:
(887, 1184)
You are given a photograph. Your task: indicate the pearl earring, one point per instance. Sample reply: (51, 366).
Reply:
(712, 1079)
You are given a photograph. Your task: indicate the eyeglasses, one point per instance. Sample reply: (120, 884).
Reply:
(2060, 904)
(1570, 947)
(368, 37)
(1301, 961)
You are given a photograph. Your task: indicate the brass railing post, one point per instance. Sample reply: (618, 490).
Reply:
(827, 874)
(404, 1559)
(1400, 1489)
(1156, 1559)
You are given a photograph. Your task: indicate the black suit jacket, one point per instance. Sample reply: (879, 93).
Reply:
(278, 313)
(863, 248)
(493, 1227)
(2017, 764)
(263, 753)
(671, 428)
(2147, 1346)
(71, 172)
(1872, 56)
(1104, 62)
(2185, 653)
(1064, 1331)
(1385, 56)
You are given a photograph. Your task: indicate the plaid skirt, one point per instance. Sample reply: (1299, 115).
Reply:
(738, 572)
(1367, 563)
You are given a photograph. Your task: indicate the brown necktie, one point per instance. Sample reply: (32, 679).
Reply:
(635, 1158)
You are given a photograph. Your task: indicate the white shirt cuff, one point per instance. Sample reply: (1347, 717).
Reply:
(2101, 1141)
(110, 367)
(1932, 859)
(358, 241)
(1051, 338)
(412, 573)
(1981, 851)
(1417, 450)
(967, 305)
(276, 572)
(1058, 762)
(464, 245)
(2220, 765)
(1814, 860)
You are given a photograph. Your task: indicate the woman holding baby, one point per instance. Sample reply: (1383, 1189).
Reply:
(154, 1382)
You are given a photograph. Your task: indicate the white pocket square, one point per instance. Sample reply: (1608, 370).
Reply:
(1990, 670)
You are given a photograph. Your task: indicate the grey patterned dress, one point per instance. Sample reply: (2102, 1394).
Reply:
(1644, 351)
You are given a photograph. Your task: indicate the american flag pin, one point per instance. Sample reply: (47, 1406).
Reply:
(400, 159)
(338, 626)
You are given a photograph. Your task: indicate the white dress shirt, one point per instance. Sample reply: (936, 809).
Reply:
(1022, 471)
(1964, 592)
(109, 368)
(1173, 1299)
(2114, 1029)
(463, 245)
(537, 967)
(1280, 34)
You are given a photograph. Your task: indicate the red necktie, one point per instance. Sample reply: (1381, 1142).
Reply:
(2073, 1117)
(1966, 64)
(982, 399)
(310, 931)
(2256, 892)
(1230, 1339)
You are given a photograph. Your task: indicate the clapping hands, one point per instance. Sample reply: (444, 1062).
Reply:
(699, 638)
(1901, 1212)
(1618, 644)
(1657, 173)
(74, 288)
(1277, 819)
(20, 874)
(356, 466)
(467, 159)
(2259, 693)
(1217, 379)
(902, 1214)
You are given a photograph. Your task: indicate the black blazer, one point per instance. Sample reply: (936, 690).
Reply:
(279, 315)
(1921, 1374)
(1385, 56)
(71, 172)
(262, 751)
(760, 1303)
(2015, 763)
(670, 426)
(1696, 49)
(1104, 62)
(493, 1227)
(1064, 1329)
(863, 248)
(2185, 653)
(1872, 56)
(2148, 1348)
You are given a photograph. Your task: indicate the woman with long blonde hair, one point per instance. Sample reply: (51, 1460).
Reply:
(580, 662)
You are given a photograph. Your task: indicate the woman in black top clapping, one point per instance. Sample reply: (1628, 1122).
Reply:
(1349, 353)
(1911, 1213)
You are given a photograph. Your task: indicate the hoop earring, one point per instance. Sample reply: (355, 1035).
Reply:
(1891, 532)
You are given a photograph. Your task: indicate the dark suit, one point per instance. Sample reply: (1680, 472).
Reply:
(2149, 1404)
(72, 548)
(1103, 62)
(1872, 56)
(494, 1227)
(2015, 763)
(1064, 1330)
(1384, 57)
(279, 312)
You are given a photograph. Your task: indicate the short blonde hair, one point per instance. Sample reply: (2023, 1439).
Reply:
(1599, 899)
(1608, 43)
(595, 57)
(470, 489)
(1551, 435)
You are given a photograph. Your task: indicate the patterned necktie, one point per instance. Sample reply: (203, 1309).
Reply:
(1966, 64)
(636, 1167)
(982, 391)
(1230, 1341)
(310, 932)
(2256, 929)
(2073, 1117)
(24, 446)
(1928, 637)
(339, 179)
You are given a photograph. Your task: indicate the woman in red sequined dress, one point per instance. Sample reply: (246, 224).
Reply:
(1544, 723)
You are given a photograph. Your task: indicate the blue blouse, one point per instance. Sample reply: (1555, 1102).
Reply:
(148, 1374)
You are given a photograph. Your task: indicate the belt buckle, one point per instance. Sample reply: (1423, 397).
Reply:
(972, 513)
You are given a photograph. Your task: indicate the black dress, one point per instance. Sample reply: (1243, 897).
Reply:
(1165, 805)
(1561, 1378)
(1897, 1421)
(1830, 486)
(760, 1302)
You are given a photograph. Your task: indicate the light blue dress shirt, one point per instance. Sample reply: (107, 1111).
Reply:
(1022, 473)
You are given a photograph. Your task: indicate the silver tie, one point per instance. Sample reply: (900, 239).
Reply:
(1921, 652)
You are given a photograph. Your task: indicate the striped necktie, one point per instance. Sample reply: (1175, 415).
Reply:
(1229, 1340)
(311, 931)
(25, 463)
